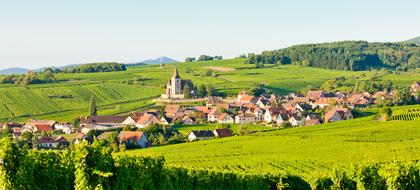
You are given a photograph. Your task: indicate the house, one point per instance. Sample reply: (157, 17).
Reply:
(212, 101)
(312, 119)
(62, 141)
(271, 115)
(175, 87)
(245, 118)
(16, 133)
(216, 112)
(281, 118)
(262, 103)
(80, 137)
(221, 133)
(34, 126)
(66, 127)
(241, 94)
(338, 114)
(101, 123)
(188, 120)
(315, 94)
(147, 120)
(47, 142)
(246, 99)
(415, 88)
(225, 118)
(133, 138)
(201, 135)
(39, 128)
(295, 120)
(173, 111)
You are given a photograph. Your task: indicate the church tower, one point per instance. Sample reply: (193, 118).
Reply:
(176, 83)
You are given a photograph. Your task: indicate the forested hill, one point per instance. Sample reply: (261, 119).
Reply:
(346, 55)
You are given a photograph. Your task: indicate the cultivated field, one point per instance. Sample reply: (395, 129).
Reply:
(120, 92)
(306, 151)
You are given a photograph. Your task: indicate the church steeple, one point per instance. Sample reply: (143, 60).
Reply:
(176, 75)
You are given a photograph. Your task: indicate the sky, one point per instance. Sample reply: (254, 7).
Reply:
(43, 33)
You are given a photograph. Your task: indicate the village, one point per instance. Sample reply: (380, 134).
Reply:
(270, 110)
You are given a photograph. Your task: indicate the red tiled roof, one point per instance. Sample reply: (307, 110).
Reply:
(44, 128)
(130, 135)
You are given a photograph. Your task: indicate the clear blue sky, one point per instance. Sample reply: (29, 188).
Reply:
(53, 32)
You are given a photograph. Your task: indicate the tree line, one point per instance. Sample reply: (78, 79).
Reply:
(90, 167)
(47, 76)
(95, 67)
(204, 58)
(347, 55)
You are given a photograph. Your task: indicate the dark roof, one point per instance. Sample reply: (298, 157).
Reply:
(104, 119)
(223, 132)
(203, 133)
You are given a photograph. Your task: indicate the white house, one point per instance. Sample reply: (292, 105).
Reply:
(66, 127)
(225, 118)
(245, 118)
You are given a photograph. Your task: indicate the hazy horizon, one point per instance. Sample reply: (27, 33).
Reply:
(50, 33)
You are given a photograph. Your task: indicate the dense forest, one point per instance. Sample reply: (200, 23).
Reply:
(347, 55)
(95, 67)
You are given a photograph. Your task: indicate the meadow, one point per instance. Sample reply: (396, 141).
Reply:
(310, 152)
(121, 92)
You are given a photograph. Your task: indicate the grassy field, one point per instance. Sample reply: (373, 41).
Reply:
(306, 151)
(69, 99)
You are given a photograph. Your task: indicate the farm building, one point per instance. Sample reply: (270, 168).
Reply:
(201, 135)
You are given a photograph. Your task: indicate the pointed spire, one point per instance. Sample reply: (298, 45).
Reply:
(176, 75)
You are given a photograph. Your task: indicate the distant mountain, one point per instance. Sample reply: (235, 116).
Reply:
(160, 60)
(15, 70)
(415, 40)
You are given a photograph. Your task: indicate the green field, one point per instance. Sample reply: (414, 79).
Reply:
(306, 151)
(69, 99)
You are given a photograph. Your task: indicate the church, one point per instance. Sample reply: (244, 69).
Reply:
(175, 87)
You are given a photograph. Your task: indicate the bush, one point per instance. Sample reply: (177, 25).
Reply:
(323, 183)
(291, 182)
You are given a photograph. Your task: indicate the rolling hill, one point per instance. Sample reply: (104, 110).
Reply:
(415, 40)
(124, 91)
(159, 60)
(14, 70)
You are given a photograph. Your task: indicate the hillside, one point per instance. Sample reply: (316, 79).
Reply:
(307, 151)
(120, 92)
(415, 40)
(346, 55)
(15, 70)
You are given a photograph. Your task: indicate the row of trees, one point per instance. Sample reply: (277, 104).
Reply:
(347, 55)
(204, 58)
(30, 78)
(91, 167)
(95, 67)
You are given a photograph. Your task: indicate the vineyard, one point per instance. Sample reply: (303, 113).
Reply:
(308, 151)
(406, 113)
(120, 92)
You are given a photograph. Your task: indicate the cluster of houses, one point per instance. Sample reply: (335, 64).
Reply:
(314, 108)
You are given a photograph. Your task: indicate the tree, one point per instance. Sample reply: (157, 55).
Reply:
(201, 91)
(190, 59)
(210, 90)
(187, 91)
(386, 112)
(93, 110)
